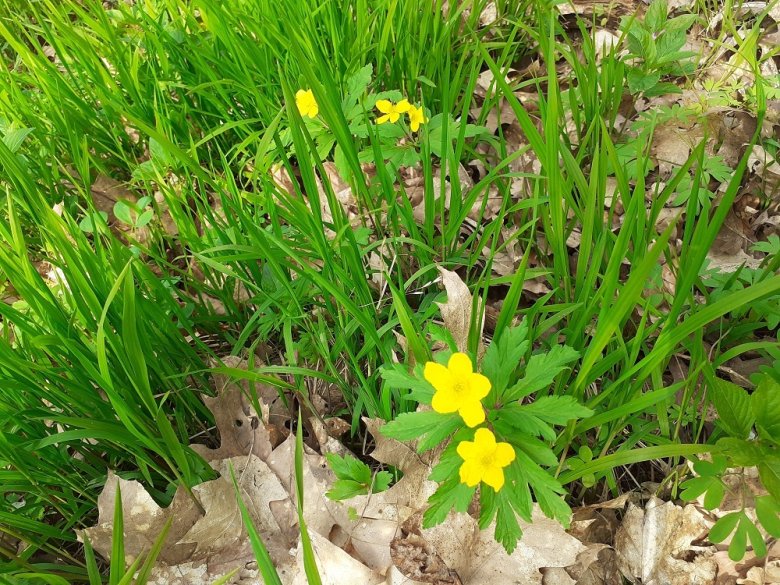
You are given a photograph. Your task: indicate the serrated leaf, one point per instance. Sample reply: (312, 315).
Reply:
(556, 410)
(344, 489)
(512, 418)
(733, 406)
(769, 473)
(518, 492)
(358, 81)
(503, 356)
(741, 453)
(766, 407)
(639, 81)
(451, 495)
(439, 433)
(507, 528)
(536, 450)
(723, 527)
(656, 15)
(541, 370)
(348, 467)
(412, 425)
(768, 513)
(448, 465)
(398, 376)
(382, 481)
(488, 505)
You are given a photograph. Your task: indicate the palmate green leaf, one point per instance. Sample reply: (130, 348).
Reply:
(450, 495)
(765, 402)
(733, 406)
(344, 489)
(514, 418)
(556, 410)
(348, 467)
(508, 530)
(541, 370)
(536, 450)
(503, 356)
(398, 376)
(429, 426)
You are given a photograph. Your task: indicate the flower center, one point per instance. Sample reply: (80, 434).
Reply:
(488, 460)
(459, 388)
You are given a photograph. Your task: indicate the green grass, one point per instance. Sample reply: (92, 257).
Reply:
(107, 371)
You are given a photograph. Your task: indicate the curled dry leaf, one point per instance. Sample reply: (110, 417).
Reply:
(654, 545)
(456, 312)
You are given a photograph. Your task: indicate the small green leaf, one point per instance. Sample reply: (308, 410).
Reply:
(738, 544)
(723, 527)
(415, 425)
(694, 487)
(714, 495)
(765, 401)
(768, 513)
(556, 410)
(733, 406)
(344, 489)
(741, 453)
(450, 495)
(382, 481)
(656, 15)
(541, 370)
(639, 81)
(507, 528)
(503, 356)
(769, 473)
(754, 535)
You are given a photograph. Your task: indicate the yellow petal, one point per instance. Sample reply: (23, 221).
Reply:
(470, 474)
(313, 110)
(383, 119)
(479, 386)
(494, 477)
(466, 449)
(403, 106)
(460, 366)
(505, 454)
(394, 116)
(485, 440)
(445, 401)
(414, 125)
(384, 106)
(472, 414)
(438, 376)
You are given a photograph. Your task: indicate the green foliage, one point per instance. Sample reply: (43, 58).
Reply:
(528, 428)
(655, 49)
(738, 412)
(354, 478)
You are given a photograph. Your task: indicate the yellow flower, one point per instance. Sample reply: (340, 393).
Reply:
(458, 388)
(306, 103)
(416, 117)
(391, 111)
(484, 459)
